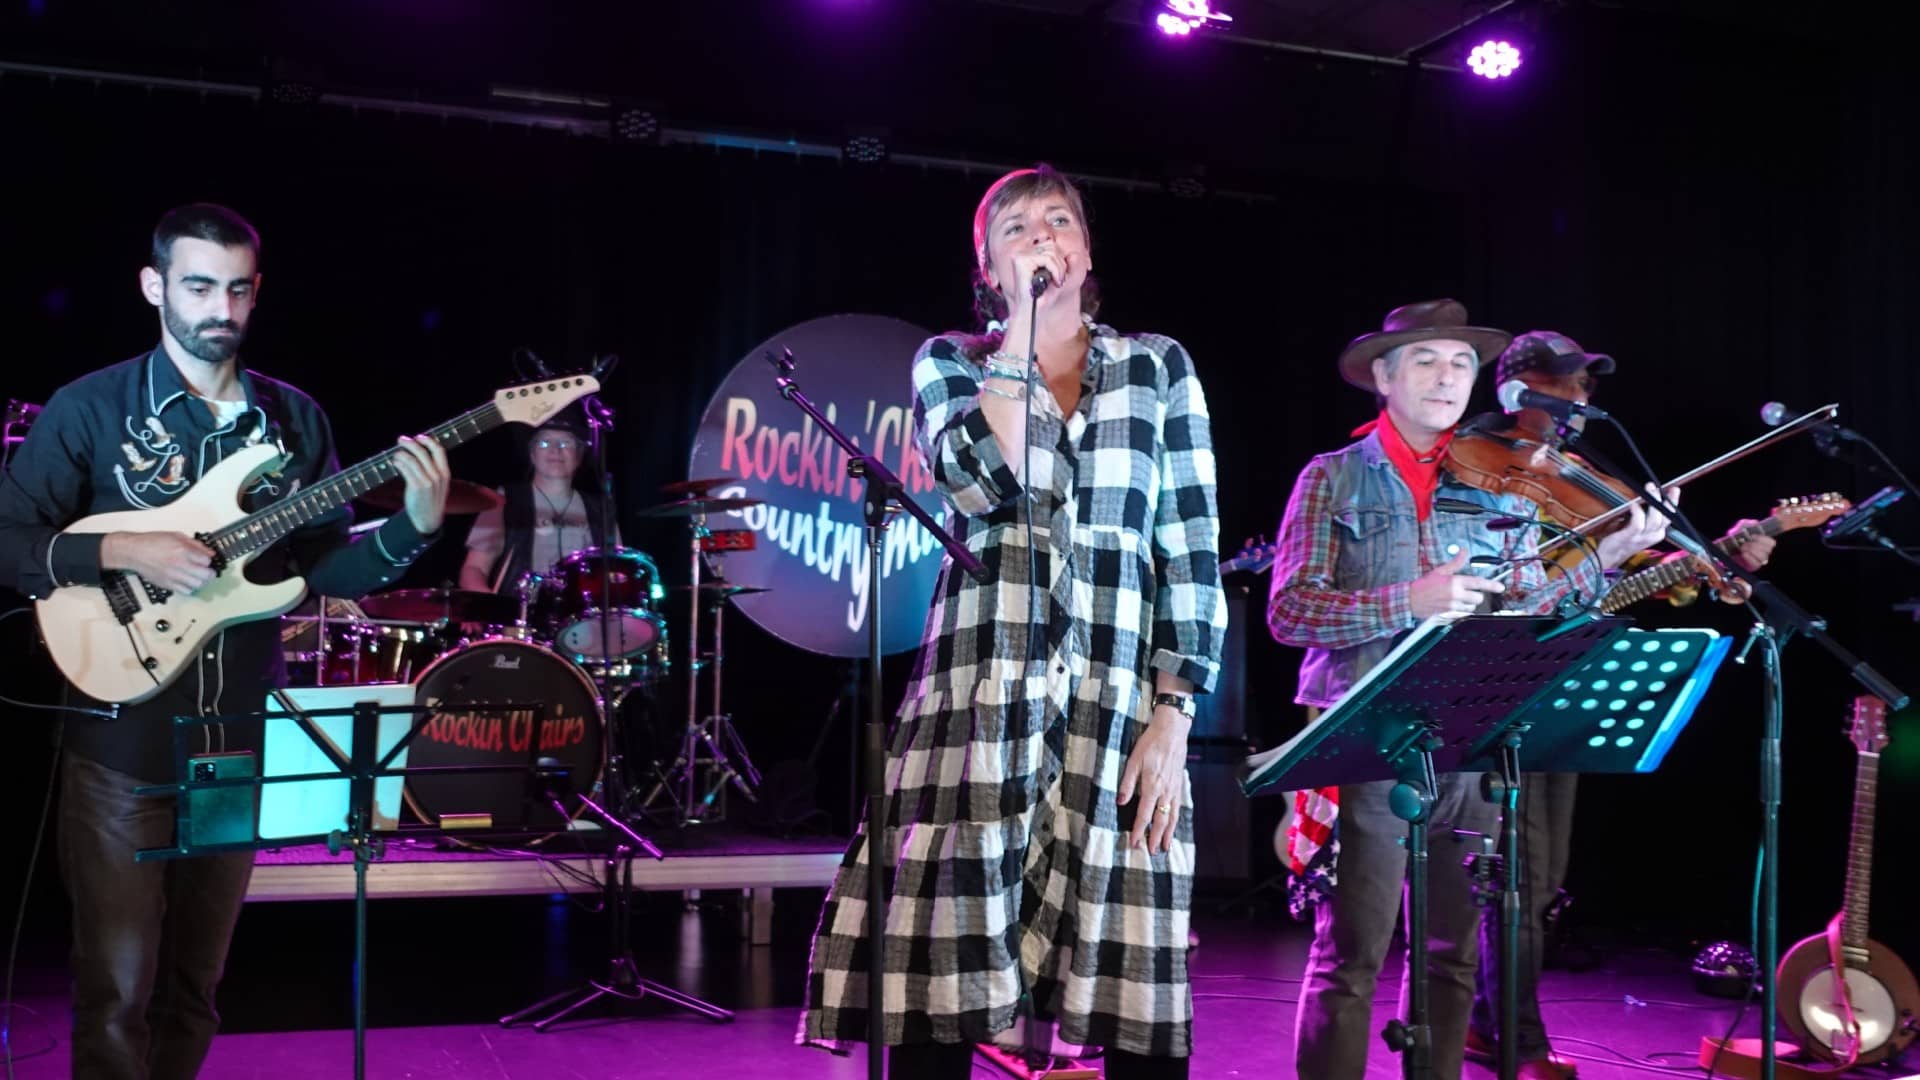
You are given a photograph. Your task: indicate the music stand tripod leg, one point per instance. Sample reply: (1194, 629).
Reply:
(1412, 802)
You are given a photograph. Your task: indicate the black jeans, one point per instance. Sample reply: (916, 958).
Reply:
(149, 939)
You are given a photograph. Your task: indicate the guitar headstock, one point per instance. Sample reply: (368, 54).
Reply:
(1810, 511)
(1255, 555)
(531, 403)
(1869, 729)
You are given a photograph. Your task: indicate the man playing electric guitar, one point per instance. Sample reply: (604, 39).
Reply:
(150, 939)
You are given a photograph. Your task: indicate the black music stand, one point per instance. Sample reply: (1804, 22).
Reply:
(1451, 689)
(361, 766)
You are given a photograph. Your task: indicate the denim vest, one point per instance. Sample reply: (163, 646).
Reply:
(1377, 533)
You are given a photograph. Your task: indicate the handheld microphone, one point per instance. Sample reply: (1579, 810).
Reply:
(1515, 395)
(1042, 280)
(1860, 518)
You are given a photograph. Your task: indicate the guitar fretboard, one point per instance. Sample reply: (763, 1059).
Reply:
(1637, 587)
(1853, 917)
(265, 526)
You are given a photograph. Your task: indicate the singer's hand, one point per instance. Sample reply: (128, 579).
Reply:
(1445, 589)
(1026, 261)
(1645, 527)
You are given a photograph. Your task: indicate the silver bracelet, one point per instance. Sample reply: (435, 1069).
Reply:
(1008, 366)
(1008, 394)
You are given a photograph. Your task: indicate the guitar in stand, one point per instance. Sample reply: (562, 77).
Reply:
(126, 640)
(1868, 1012)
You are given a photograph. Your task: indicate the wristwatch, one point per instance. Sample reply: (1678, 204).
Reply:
(1181, 702)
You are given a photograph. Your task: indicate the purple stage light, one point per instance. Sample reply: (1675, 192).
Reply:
(1493, 59)
(1183, 17)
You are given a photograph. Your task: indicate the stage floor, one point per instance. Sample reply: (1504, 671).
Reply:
(705, 857)
(440, 971)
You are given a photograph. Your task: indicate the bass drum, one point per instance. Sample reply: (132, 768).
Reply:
(556, 715)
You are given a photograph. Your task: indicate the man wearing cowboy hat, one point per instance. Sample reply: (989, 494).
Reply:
(1362, 558)
(1555, 364)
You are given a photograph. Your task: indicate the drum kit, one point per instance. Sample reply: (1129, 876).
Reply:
(576, 640)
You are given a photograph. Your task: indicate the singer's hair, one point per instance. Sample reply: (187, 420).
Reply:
(201, 221)
(1042, 179)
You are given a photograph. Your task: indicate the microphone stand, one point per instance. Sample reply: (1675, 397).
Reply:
(1776, 620)
(884, 493)
(600, 421)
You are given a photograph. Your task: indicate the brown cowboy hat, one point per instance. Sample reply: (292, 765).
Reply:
(1428, 320)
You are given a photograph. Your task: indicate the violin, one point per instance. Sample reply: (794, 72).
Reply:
(1519, 461)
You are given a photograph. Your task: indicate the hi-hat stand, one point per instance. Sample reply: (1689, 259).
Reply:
(712, 756)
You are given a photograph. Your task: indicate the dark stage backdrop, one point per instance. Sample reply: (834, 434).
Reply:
(1732, 229)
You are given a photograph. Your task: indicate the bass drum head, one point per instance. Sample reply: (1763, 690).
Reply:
(556, 715)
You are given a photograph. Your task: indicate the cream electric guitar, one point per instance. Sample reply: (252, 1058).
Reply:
(1846, 997)
(125, 640)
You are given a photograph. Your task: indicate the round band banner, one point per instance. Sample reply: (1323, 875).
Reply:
(810, 546)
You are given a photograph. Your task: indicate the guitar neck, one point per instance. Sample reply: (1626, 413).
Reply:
(1637, 587)
(263, 527)
(1853, 914)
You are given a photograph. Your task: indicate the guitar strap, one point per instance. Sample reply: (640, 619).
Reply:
(1848, 1045)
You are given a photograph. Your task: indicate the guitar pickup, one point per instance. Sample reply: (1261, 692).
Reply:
(727, 540)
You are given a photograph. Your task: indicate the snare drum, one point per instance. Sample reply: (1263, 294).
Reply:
(561, 720)
(572, 609)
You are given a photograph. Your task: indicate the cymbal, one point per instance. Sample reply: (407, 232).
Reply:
(697, 487)
(696, 507)
(433, 605)
(463, 497)
(725, 589)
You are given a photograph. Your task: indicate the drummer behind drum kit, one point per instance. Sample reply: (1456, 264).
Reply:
(572, 642)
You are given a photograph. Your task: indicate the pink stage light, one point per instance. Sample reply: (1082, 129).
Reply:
(1493, 59)
(1183, 17)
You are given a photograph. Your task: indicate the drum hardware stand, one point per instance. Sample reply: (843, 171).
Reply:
(724, 758)
(623, 980)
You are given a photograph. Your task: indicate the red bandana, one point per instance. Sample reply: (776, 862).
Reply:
(1422, 474)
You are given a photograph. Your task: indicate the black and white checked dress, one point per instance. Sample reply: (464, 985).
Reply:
(1014, 890)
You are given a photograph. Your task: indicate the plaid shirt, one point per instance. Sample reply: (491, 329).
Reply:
(1014, 889)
